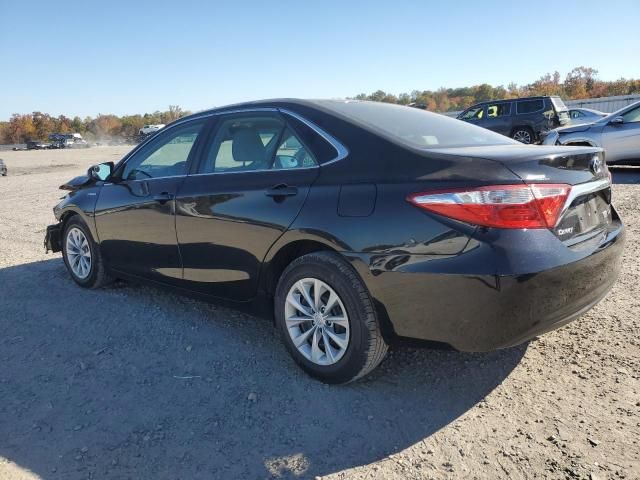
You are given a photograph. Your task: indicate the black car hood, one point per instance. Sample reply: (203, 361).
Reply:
(76, 183)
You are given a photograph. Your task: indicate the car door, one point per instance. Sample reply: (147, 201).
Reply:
(498, 117)
(135, 211)
(621, 141)
(253, 178)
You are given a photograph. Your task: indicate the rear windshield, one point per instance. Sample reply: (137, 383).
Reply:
(558, 104)
(414, 127)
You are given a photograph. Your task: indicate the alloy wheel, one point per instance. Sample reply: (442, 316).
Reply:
(317, 321)
(522, 136)
(78, 253)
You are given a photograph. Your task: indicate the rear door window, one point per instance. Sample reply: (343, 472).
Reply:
(255, 142)
(291, 153)
(244, 143)
(498, 110)
(529, 106)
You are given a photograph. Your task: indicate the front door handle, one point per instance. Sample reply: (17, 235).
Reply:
(163, 197)
(281, 190)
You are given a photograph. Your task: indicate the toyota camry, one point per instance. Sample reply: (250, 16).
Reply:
(351, 224)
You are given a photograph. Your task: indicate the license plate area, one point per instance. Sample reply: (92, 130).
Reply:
(588, 213)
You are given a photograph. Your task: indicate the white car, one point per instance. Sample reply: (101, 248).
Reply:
(585, 115)
(618, 134)
(149, 129)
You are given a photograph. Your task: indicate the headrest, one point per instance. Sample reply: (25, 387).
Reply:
(247, 146)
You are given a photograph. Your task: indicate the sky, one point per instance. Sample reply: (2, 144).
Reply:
(124, 57)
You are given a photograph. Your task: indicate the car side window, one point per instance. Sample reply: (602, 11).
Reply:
(498, 110)
(250, 143)
(166, 155)
(632, 116)
(473, 112)
(529, 106)
(291, 153)
(243, 144)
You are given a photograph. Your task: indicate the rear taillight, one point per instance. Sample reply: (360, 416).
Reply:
(502, 206)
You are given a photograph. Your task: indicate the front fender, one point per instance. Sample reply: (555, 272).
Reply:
(578, 137)
(83, 203)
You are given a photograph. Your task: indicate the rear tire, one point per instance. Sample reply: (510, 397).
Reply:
(523, 135)
(82, 256)
(338, 336)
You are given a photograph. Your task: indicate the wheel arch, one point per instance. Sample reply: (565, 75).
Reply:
(69, 211)
(280, 256)
(284, 252)
(579, 142)
(522, 126)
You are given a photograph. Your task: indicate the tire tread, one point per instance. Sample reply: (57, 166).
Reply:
(377, 347)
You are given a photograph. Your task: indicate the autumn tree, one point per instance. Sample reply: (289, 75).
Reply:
(43, 125)
(20, 129)
(580, 81)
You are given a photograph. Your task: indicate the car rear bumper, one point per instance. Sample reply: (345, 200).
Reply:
(432, 299)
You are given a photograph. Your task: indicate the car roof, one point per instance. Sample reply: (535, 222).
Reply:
(315, 104)
(518, 99)
(271, 102)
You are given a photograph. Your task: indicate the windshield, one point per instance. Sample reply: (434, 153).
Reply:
(414, 127)
(619, 112)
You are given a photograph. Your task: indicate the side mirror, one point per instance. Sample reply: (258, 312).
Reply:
(101, 171)
(617, 121)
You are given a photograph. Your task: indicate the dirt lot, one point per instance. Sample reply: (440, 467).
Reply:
(133, 382)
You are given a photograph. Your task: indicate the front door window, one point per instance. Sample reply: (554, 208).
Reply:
(165, 156)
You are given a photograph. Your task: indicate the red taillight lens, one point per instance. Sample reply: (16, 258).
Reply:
(501, 206)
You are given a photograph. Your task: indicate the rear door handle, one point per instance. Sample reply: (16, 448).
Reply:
(281, 190)
(163, 197)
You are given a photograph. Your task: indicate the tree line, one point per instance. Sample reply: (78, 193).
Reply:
(38, 125)
(581, 82)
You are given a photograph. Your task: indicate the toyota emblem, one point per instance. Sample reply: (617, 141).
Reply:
(596, 165)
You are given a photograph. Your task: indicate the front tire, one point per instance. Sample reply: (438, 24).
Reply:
(82, 256)
(327, 319)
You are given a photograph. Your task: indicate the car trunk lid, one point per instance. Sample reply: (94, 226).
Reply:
(588, 206)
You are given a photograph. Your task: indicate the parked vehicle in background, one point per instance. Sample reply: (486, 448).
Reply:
(67, 140)
(523, 119)
(618, 134)
(3, 168)
(585, 115)
(35, 145)
(149, 129)
(386, 221)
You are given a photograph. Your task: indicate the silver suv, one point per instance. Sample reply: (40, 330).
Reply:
(618, 133)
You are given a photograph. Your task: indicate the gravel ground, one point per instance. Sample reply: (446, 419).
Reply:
(134, 382)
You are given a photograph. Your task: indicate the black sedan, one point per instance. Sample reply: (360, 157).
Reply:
(351, 224)
(3, 168)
